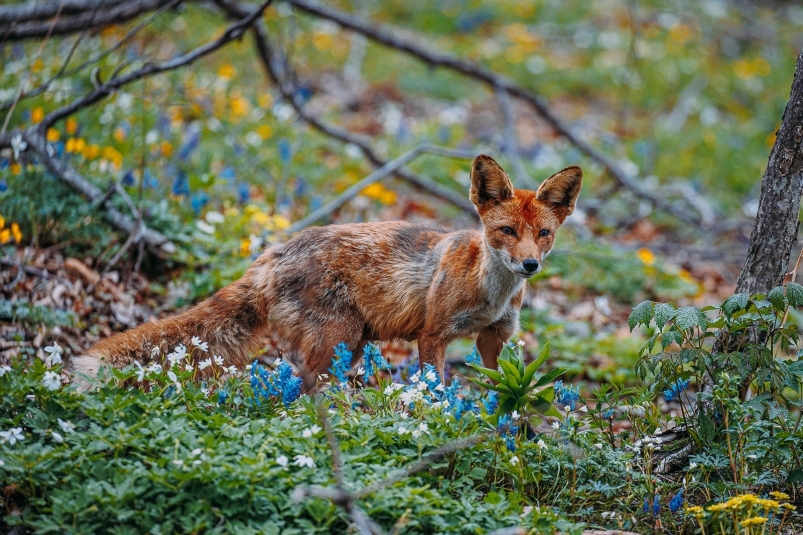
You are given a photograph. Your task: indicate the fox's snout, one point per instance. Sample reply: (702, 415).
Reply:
(531, 265)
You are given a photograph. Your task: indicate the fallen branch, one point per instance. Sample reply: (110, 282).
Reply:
(66, 173)
(272, 67)
(413, 47)
(387, 169)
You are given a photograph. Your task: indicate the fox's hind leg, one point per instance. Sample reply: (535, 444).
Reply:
(318, 343)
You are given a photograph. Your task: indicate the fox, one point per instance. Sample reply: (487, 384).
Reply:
(377, 281)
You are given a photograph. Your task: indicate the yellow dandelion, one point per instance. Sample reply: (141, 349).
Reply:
(265, 131)
(15, 230)
(646, 256)
(53, 135)
(788, 506)
(71, 126)
(90, 152)
(756, 520)
(226, 72)
(167, 149)
(37, 115)
(5, 235)
(779, 495)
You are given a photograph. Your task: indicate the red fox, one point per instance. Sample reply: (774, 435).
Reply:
(362, 282)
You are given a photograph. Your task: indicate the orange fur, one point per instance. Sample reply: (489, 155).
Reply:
(376, 281)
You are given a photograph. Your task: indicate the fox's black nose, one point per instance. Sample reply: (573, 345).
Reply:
(530, 264)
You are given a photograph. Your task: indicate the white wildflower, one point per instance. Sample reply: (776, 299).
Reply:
(541, 444)
(54, 353)
(218, 360)
(57, 437)
(414, 378)
(155, 351)
(204, 364)
(431, 376)
(172, 376)
(514, 460)
(403, 415)
(424, 428)
(282, 460)
(440, 388)
(197, 342)
(178, 462)
(520, 343)
(140, 372)
(67, 427)
(4, 370)
(196, 452)
(231, 370)
(361, 370)
(52, 381)
(416, 433)
(13, 435)
(18, 145)
(402, 430)
(188, 367)
(598, 445)
(556, 425)
(304, 460)
(515, 415)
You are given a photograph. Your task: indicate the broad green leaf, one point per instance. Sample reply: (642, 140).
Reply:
(511, 372)
(689, 317)
(641, 315)
(777, 299)
(549, 377)
(542, 356)
(507, 405)
(670, 337)
(735, 303)
(498, 388)
(493, 374)
(663, 313)
(794, 293)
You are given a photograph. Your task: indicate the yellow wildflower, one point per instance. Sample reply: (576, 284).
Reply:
(38, 65)
(322, 41)
(685, 276)
(15, 230)
(265, 132)
(265, 101)
(75, 145)
(113, 155)
(167, 149)
(71, 126)
(388, 197)
(119, 134)
(5, 235)
(16, 168)
(2, 222)
(280, 222)
(694, 510)
(37, 115)
(245, 247)
(646, 256)
(240, 106)
(226, 72)
(768, 504)
(753, 521)
(53, 135)
(90, 152)
(779, 495)
(788, 506)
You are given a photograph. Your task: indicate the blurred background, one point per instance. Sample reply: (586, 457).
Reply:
(680, 99)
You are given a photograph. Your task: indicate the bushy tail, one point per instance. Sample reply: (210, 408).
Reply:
(230, 321)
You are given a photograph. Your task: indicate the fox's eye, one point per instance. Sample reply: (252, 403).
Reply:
(508, 231)
(544, 233)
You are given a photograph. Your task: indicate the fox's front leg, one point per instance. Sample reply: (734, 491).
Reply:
(432, 350)
(491, 339)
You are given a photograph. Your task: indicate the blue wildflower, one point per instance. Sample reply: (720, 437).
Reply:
(169, 391)
(646, 507)
(243, 193)
(656, 505)
(199, 200)
(341, 363)
(464, 406)
(675, 390)
(128, 179)
(431, 377)
(450, 392)
(491, 402)
(279, 383)
(181, 186)
(227, 173)
(474, 358)
(609, 414)
(566, 396)
(3, 186)
(677, 501)
(373, 360)
(191, 141)
(508, 431)
(284, 150)
(406, 369)
(222, 396)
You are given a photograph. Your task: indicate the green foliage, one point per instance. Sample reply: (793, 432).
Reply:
(29, 315)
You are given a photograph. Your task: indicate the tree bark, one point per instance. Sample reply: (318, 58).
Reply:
(776, 227)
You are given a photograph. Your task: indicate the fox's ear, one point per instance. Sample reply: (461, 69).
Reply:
(561, 190)
(489, 183)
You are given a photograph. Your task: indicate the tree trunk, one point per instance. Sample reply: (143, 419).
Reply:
(776, 226)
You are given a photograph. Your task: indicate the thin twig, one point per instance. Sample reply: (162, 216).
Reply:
(387, 169)
(32, 270)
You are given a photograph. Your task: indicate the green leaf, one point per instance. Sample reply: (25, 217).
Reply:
(507, 354)
(493, 374)
(641, 315)
(542, 356)
(777, 299)
(794, 293)
(542, 403)
(507, 405)
(498, 388)
(663, 313)
(735, 303)
(689, 317)
(511, 372)
(795, 476)
(671, 336)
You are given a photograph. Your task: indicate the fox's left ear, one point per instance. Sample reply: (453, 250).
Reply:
(561, 191)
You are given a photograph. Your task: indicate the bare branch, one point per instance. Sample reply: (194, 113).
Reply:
(21, 27)
(273, 68)
(31, 11)
(232, 32)
(355, 189)
(413, 47)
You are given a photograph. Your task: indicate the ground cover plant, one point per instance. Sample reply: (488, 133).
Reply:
(151, 149)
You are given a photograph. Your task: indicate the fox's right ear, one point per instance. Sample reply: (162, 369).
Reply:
(489, 183)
